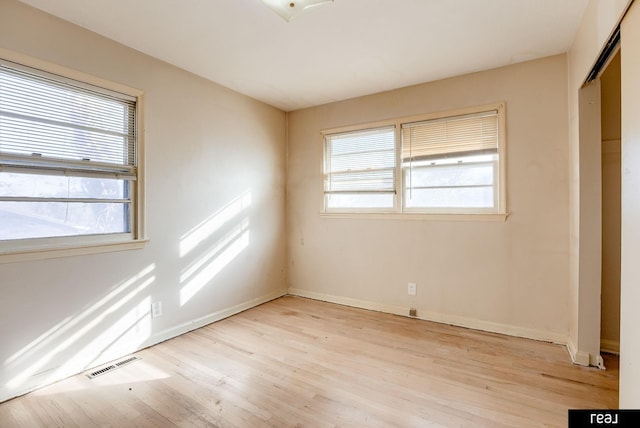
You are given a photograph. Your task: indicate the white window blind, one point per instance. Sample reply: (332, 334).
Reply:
(49, 123)
(359, 168)
(475, 133)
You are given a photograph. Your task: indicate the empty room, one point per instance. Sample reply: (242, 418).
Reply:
(319, 213)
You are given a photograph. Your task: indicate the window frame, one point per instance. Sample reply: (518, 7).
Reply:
(399, 211)
(50, 247)
(396, 178)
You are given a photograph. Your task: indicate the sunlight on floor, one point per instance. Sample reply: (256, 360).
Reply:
(139, 372)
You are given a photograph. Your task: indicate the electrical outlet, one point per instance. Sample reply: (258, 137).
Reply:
(156, 309)
(412, 289)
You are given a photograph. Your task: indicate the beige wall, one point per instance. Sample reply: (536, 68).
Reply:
(503, 276)
(611, 134)
(206, 146)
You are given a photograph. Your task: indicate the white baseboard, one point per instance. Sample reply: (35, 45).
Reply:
(45, 378)
(582, 358)
(210, 318)
(571, 349)
(610, 346)
(510, 330)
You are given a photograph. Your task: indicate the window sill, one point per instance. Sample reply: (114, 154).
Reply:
(29, 254)
(499, 217)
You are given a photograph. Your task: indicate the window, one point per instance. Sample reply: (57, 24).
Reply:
(68, 160)
(449, 163)
(452, 164)
(360, 169)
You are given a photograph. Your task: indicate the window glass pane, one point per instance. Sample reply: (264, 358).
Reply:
(456, 197)
(450, 175)
(359, 200)
(360, 161)
(56, 186)
(21, 220)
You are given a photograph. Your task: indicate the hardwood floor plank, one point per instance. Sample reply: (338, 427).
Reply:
(296, 362)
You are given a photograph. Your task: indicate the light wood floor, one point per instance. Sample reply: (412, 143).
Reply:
(296, 362)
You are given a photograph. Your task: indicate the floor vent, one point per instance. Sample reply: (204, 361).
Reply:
(111, 367)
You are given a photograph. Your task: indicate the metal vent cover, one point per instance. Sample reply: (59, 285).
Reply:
(112, 367)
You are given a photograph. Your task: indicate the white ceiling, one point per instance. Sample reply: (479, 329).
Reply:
(331, 52)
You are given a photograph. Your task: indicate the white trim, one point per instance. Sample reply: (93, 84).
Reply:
(581, 358)
(423, 314)
(599, 362)
(578, 357)
(29, 254)
(139, 186)
(413, 118)
(571, 349)
(43, 379)
(418, 216)
(211, 318)
(610, 346)
(66, 72)
(359, 127)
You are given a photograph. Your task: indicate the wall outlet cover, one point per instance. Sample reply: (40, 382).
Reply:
(156, 309)
(412, 289)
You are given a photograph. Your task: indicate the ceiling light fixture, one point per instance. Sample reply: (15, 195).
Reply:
(288, 9)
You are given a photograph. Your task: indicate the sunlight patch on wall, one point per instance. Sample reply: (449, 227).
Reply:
(68, 323)
(208, 227)
(207, 256)
(122, 337)
(78, 328)
(213, 261)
